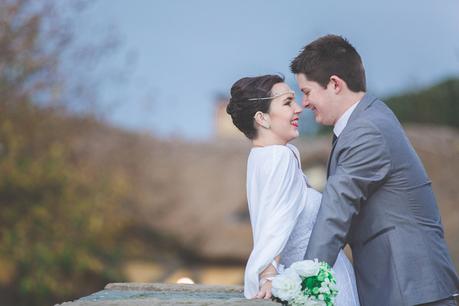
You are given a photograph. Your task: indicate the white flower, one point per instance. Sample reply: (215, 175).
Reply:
(306, 268)
(333, 287)
(302, 300)
(317, 303)
(324, 290)
(286, 285)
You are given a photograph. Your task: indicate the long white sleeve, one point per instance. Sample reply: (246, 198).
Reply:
(277, 193)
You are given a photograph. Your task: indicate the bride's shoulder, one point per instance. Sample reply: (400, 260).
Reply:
(269, 157)
(294, 149)
(272, 152)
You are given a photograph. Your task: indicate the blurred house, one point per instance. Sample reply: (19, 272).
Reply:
(224, 127)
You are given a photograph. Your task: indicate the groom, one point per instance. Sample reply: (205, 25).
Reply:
(378, 198)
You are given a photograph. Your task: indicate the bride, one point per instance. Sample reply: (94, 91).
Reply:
(282, 206)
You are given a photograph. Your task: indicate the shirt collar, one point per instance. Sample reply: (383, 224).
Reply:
(342, 121)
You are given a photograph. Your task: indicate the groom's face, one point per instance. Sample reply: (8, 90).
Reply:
(321, 101)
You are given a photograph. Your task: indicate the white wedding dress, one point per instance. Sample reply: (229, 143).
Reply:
(283, 210)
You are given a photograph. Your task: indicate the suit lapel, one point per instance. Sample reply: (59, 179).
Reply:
(366, 101)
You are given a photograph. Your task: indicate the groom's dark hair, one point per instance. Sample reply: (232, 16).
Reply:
(331, 55)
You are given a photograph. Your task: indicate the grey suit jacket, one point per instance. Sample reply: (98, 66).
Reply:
(379, 200)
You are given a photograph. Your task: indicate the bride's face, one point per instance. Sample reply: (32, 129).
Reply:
(283, 114)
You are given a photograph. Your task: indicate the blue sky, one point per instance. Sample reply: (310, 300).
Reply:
(187, 52)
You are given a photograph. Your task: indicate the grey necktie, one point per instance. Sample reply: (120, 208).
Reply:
(331, 153)
(334, 139)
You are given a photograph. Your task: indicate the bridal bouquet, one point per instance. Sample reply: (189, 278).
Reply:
(306, 283)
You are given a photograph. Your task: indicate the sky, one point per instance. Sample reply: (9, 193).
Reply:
(189, 51)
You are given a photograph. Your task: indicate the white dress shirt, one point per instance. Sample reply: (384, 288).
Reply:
(342, 121)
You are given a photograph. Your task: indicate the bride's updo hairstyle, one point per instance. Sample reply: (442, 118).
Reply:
(243, 104)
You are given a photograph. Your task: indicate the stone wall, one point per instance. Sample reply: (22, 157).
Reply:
(152, 294)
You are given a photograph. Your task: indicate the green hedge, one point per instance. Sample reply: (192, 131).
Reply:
(438, 104)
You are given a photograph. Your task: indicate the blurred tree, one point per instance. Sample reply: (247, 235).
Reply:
(438, 104)
(29, 51)
(42, 59)
(59, 218)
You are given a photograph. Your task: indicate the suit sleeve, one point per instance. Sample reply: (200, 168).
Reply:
(363, 164)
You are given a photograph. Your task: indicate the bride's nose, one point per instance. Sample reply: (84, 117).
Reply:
(298, 109)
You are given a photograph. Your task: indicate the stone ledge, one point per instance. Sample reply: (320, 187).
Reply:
(153, 294)
(174, 287)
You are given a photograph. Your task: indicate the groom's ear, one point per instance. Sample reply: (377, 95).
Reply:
(337, 83)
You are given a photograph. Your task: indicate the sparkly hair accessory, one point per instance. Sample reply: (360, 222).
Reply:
(273, 97)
